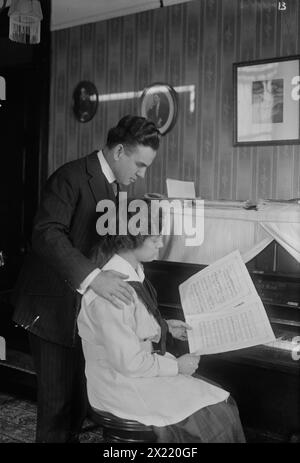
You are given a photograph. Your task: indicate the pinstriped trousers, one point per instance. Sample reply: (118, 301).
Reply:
(62, 397)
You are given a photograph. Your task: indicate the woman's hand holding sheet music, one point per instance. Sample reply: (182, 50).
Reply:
(188, 364)
(178, 329)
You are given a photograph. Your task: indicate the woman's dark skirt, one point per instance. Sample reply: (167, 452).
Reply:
(219, 423)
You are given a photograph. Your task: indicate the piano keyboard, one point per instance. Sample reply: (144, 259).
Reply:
(284, 344)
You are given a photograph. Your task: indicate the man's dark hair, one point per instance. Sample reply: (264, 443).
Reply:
(132, 131)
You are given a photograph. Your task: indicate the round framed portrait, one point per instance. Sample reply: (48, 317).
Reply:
(160, 104)
(85, 101)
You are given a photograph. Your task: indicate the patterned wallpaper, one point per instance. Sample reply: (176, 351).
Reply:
(194, 43)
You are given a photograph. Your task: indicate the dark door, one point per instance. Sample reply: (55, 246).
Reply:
(19, 148)
(19, 163)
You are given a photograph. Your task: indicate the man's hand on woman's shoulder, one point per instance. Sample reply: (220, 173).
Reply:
(110, 285)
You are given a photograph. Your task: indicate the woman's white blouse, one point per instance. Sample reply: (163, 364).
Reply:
(124, 377)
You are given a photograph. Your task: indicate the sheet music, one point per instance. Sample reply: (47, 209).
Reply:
(223, 308)
(234, 329)
(223, 284)
(180, 189)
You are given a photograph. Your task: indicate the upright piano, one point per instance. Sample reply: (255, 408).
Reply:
(265, 379)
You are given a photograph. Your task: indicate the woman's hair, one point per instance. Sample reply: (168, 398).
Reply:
(134, 232)
(132, 131)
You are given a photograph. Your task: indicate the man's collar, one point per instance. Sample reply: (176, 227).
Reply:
(106, 169)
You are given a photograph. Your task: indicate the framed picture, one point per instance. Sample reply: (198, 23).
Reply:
(85, 101)
(266, 102)
(160, 104)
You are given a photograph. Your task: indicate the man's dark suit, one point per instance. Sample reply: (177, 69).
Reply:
(46, 301)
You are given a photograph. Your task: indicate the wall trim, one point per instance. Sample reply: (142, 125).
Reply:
(59, 21)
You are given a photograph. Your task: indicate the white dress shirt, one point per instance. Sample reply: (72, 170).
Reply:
(124, 377)
(110, 177)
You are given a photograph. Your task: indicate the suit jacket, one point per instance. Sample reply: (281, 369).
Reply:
(45, 298)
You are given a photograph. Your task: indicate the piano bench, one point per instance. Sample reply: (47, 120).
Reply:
(117, 429)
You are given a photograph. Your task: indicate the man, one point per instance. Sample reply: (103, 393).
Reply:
(58, 270)
(158, 112)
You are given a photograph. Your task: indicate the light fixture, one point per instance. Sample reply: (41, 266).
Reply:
(25, 21)
(3, 6)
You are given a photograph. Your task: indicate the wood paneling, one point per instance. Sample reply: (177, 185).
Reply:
(194, 43)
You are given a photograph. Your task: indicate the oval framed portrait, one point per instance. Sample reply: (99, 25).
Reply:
(85, 101)
(159, 103)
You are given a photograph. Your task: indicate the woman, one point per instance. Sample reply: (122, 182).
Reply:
(129, 372)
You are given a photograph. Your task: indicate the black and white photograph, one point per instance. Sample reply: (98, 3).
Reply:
(267, 101)
(150, 227)
(159, 103)
(266, 107)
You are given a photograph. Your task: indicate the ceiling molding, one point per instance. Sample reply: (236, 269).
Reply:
(71, 13)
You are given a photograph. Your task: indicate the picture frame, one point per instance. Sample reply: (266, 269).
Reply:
(85, 101)
(267, 102)
(159, 102)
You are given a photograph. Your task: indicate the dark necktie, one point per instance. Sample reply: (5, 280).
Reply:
(147, 294)
(115, 187)
(117, 194)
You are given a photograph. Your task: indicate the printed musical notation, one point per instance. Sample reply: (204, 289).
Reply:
(223, 308)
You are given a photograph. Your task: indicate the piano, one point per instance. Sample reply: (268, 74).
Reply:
(265, 379)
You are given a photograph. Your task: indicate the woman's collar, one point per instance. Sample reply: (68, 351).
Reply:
(119, 264)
